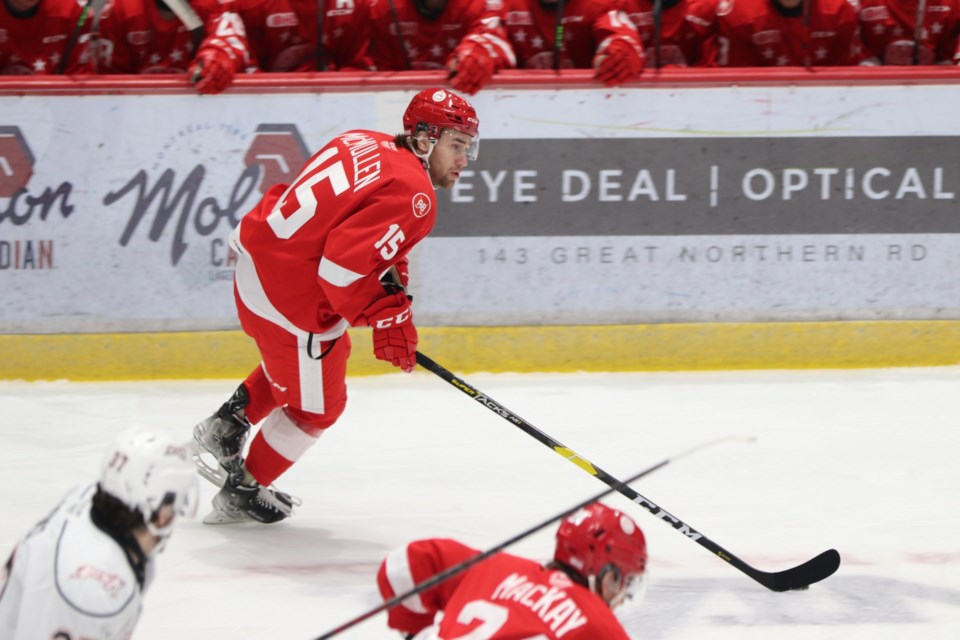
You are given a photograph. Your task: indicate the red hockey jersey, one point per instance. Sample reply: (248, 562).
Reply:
(274, 35)
(321, 244)
(136, 38)
(503, 596)
(34, 43)
(346, 33)
(889, 30)
(532, 30)
(758, 33)
(411, 41)
(686, 33)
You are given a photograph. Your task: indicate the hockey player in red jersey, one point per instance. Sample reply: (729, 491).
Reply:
(596, 35)
(894, 35)
(599, 563)
(146, 36)
(45, 37)
(466, 37)
(346, 33)
(686, 30)
(758, 33)
(274, 35)
(311, 256)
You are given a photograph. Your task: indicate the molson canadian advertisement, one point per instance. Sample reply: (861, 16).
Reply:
(585, 206)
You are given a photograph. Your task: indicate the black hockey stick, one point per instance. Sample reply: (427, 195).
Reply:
(74, 37)
(657, 32)
(799, 577)
(448, 573)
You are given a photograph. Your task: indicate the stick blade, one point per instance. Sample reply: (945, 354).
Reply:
(801, 576)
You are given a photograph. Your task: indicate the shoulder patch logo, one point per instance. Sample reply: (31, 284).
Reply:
(421, 205)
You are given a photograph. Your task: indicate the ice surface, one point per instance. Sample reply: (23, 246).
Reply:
(861, 461)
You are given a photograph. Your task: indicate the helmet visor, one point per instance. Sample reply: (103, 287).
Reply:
(463, 143)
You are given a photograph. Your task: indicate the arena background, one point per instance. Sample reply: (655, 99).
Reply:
(694, 220)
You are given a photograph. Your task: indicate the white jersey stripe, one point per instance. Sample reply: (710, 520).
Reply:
(397, 565)
(335, 274)
(255, 298)
(286, 438)
(311, 375)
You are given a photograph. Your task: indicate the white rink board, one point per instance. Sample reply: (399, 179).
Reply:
(128, 199)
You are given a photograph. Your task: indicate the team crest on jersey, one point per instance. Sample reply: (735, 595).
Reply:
(421, 205)
(769, 36)
(519, 18)
(872, 14)
(276, 20)
(138, 38)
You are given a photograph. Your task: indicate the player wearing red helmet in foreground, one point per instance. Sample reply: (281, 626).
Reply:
(311, 259)
(599, 563)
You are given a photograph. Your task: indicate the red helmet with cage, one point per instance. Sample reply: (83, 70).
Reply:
(598, 536)
(433, 110)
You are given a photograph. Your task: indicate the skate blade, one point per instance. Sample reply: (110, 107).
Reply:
(222, 517)
(213, 473)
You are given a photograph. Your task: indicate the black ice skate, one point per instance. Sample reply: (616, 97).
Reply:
(242, 502)
(222, 435)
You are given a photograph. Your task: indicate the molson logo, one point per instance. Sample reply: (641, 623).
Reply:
(168, 201)
(16, 162)
(18, 206)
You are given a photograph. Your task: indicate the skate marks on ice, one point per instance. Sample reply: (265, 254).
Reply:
(843, 606)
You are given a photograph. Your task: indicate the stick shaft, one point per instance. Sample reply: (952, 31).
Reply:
(799, 577)
(454, 570)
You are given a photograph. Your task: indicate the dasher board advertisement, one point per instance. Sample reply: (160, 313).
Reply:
(585, 206)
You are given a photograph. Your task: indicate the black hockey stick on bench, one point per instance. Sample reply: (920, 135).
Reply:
(448, 573)
(799, 577)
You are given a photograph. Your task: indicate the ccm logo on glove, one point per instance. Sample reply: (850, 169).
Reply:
(400, 318)
(394, 336)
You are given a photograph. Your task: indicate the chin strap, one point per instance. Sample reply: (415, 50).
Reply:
(424, 157)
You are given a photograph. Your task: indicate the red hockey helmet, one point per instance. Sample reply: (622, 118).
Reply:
(433, 110)
(598, 536)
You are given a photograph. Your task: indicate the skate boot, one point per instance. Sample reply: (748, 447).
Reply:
(243, 500)
(222, 436)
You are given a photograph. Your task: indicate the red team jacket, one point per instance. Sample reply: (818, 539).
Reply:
(34, 45)
(429, 43)
(274, 34)
(754, 33)
(888, 28)
(134, 38)
(321, 244)
(586, 23)
(345, 31)
(686, 32)
(504, 596)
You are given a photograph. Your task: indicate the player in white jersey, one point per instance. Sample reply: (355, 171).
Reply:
(81, 572)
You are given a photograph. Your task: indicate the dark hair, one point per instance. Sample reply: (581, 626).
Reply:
(115, 514)
(572, 573)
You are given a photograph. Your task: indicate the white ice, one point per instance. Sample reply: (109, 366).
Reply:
(861, 461)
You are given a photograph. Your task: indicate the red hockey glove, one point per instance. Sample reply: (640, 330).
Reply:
(618, 60)
(211, 71)
(471, 66)
(394, 336)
